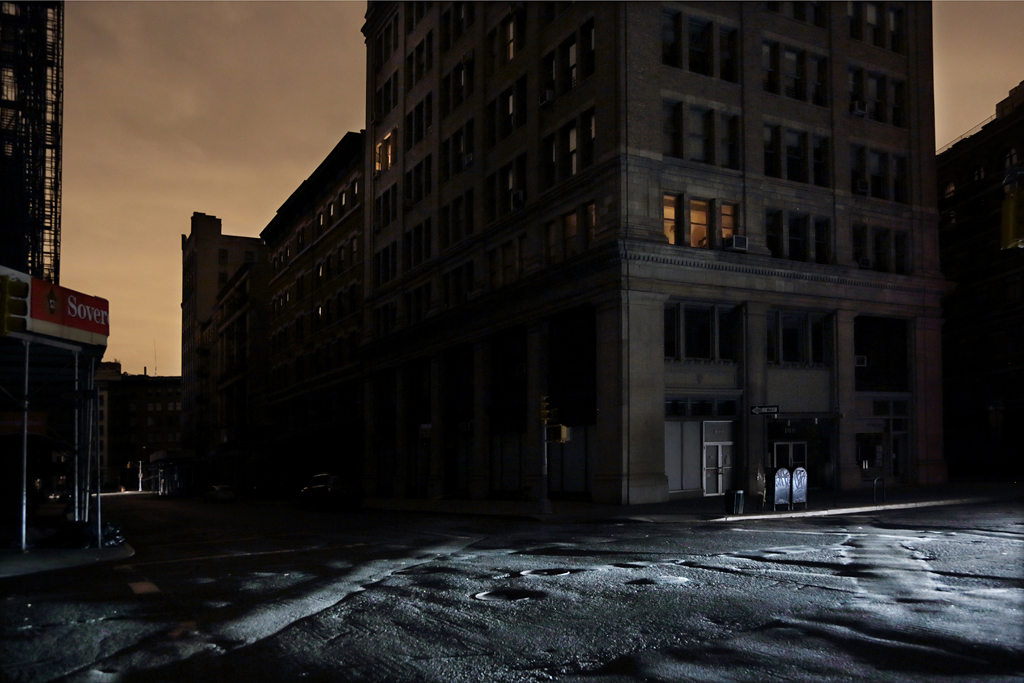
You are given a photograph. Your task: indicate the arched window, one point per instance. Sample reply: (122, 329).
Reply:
(950, 190)
(1011, 158)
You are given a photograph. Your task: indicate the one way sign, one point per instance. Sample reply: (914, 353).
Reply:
(764, 410)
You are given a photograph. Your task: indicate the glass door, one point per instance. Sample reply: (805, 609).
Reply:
(717, 468)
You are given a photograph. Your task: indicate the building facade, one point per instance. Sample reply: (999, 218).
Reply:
(662, 216)
(315, 311)
(983, 366)
(209, 260)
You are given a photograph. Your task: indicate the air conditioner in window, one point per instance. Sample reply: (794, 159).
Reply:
(864, 263)
(467, 159)
(861, 187)
(858, 108)
(860, 361)
(735, 243)
(547, 97)
(518, 199)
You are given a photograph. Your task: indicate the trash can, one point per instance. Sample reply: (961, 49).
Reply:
(734, 503)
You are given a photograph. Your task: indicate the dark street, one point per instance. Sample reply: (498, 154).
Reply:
(263, 592)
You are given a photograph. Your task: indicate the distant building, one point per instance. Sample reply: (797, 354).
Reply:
(662, 216)
(983, 337)
(315, 392)
(31, 129)
(209, 259)
(141, 416)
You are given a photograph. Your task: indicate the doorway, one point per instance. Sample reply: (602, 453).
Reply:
(718, 458)
(789, 454)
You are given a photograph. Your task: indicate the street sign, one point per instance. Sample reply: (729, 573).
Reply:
(764, 410)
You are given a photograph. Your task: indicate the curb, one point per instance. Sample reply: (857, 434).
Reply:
(41, 560)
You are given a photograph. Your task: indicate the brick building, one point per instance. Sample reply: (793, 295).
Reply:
(661, 215)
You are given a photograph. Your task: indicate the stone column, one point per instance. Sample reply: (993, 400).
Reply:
(755, 390)
(435, 479)
(849, 471)
(629, 466)
(400, 476)
(536, 386)
(929, 467)
(479, 464)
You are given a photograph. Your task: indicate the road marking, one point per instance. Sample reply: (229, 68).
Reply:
(143, 587)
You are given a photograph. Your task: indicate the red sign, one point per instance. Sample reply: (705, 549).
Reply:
(67, 308)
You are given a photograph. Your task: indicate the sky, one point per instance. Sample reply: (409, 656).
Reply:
(226, 107)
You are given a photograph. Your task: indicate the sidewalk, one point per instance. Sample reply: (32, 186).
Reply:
(36, 560)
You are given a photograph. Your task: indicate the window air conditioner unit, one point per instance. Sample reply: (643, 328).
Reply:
(547, 97)
(467, 159)
(864, 263)
(735, 243)
(858, 108)
(860, 361)
(467, 56)
(518, 199)
(862, 187)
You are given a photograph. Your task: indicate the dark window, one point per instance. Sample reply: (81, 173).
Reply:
(698, 334)
(879, 172)
(729, 137)
(897, 30)
(855, 18)
(874, 95)
(728, 54)
(901, 263)
(796, 156)
(881, 251)
(792, 73)
(672, 39)
(672, 331)
(770, 66)
(819, 81)
(822, 162)
(773, 232)
(860, 242)
(900, 180)
(700, 47)
(899, 104)
(798, 228)
(794, 338)
(700, 141)
(822, 241)
(883, 342)
(858, 170)
(773, 151)
(672, 137)
(587, 49)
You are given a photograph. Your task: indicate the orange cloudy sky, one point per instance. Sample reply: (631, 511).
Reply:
(226, 107)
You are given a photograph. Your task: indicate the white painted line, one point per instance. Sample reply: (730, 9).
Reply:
(853, 511)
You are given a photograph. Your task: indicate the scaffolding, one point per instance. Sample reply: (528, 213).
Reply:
(31, 129)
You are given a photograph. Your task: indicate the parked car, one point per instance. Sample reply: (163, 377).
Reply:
(220, 494)
(330, 492)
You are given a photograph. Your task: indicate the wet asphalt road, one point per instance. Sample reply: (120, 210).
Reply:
(266, 592)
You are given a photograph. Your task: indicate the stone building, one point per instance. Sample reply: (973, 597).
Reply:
(980, 178)
(314, 246)
(661, 216)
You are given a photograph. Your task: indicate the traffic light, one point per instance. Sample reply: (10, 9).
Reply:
(13, 305)
(547, 413)
(1012, 233)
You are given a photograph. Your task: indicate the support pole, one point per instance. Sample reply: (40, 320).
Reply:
(94, 446)
(75, 502)
(24, 455)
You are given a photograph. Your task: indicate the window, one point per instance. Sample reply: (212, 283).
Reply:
(822, 241)
(385, 319)
(569, 138)
(386, 152)
(878, 168)
(859, 233)
(701, 332)
(385, 43)
(417, 304)
(858, 170)
(588, 137)
(855, 18)
(222, 279)
(899, 104)
(457, 152)
(875, 97)
(420, 61)
(773, 151)
(819, 14)
(729, 214)
(416, 245)
(1009, 159)
(672, 39)
(456, 220)
(881, 250)
(386, 96)
(798, 337)
(773, 232)
(798, 229)
(897, 30)
(669, 216)
(728, 54)
(457, 284)
(855, 79)
(700, 57)
(222, 257)
(700, 140)
(418, 181)
(822, 162)
(792, 73)
(729, 139)
(385, 207)
(672, 139)
(901, 252)
(796, 156)
(419, 121)
(819, 74)
(385, 264)
(770, 66)
(587, 38)
(900, 180)
(873, 24)
(571, 235)
(699, 223)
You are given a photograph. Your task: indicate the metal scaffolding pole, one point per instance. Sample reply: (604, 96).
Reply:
(75, 502)
(24, 455)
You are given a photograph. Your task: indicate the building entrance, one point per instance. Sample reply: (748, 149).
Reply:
(718, 458)
(790, 454)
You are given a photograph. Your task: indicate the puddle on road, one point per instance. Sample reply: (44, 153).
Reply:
(545, 572)
(660, 581)
(427, 571)
(510, 595)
